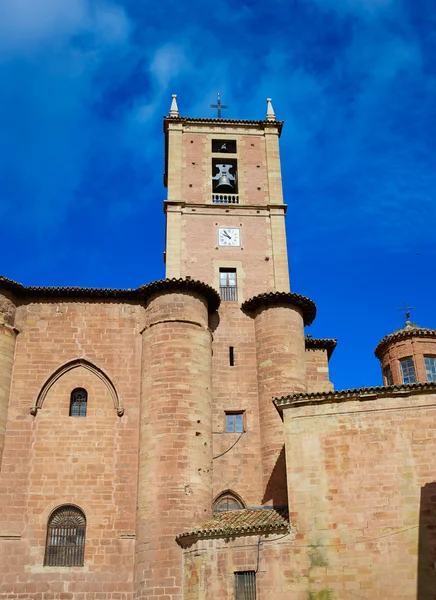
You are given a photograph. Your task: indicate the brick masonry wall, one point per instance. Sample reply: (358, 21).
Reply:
(361, 484)
(175, 471)
(52, 459)
(7, 351)
(317, 370)
(281, 369)
(210, 566)
(414, 347)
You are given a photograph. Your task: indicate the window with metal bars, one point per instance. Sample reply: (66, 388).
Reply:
(245, 585)
(228, 285)
(408, 370)
(78, 402)
(65, 544)
(226, 502)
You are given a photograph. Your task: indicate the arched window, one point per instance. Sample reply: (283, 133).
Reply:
(227, 501)
(78, 402)
(65, 545)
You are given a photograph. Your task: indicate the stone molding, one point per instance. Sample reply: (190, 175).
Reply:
(74, 364)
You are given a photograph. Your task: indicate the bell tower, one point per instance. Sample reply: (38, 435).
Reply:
(225, 210)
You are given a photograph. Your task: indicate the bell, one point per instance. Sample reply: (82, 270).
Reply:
(224, 184)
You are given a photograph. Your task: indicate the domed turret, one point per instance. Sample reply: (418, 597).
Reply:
(408, 355)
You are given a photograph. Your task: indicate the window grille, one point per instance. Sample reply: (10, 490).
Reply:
(245, 585)
(227, 501)
(228, 285)
(388, 376)
(78, 402)
(65, 544)
(408, 370)
(430, 367)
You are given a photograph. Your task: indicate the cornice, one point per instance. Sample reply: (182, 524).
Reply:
(279, 298)
(144, 292)
(328, 344)
(407, 332)
(359, 394)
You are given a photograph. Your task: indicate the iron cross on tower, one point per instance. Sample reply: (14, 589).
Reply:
(219, 106)
(407, 310)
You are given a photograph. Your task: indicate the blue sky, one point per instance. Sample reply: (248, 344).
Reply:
(84, 85)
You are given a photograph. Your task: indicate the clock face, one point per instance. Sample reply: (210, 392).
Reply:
(228, 237)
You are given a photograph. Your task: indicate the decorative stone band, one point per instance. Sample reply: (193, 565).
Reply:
(143, 293)
(361, 394)
(407, 332)
(324, 344)
(306, 305)
(231, 122)
(239, 522)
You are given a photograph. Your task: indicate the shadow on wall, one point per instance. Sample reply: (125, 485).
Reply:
(276, 492)
(427, 544)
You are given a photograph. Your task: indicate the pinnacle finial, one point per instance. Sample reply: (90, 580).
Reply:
(270, 114)
(174, 110)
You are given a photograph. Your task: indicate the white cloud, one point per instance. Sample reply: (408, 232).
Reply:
(25, 25)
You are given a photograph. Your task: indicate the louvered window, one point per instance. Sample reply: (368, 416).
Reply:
(65, 545)
(245, 585)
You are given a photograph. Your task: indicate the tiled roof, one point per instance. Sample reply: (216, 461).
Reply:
(142, 293)
(328, 344)
(273, 298)
(364, 393)
(240, 522)
(408, 331)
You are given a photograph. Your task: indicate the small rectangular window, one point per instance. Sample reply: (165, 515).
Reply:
(408, 370)
(224, 146)
(430, 367)
(231, 356)
(228, 285)
(245, 585)
(387, 374)
(234, 422)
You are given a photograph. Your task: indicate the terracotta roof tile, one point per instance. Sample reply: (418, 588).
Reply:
(142, 293)
(239, 522)
(306, 304)
(364, 393)
(328, 344)
(408, 331)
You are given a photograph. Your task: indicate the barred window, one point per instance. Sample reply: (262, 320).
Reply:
(78, 402)
(227, 501)
(228, 285)
(245, 585)
(430, 367)
(408, 370)
(65, 545)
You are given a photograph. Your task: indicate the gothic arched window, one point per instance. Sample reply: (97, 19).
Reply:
(78, 402)
(227, 501)
(65, 545)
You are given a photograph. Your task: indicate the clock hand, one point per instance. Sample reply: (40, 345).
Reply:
(227, 235)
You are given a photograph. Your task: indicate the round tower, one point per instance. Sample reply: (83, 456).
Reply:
(279, 320)
(408, 355)
(175, 462)
(8, 336)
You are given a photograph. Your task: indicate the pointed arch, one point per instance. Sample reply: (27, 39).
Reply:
(226, 501)
(74, 364)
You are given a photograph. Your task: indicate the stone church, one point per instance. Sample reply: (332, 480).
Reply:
(183, 441)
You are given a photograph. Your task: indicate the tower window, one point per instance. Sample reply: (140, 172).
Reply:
(78, 402)
(65, 545)
(387, 375)
(227, 501)
(234, 422)
(245, 585)
(430, 367)
(224, 146)
(224, 176)
(228, 285)
(408, 370)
